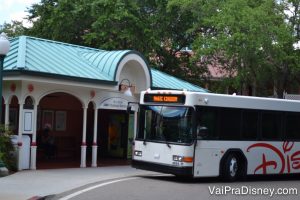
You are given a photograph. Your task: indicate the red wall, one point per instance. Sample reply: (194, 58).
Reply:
(68, 142)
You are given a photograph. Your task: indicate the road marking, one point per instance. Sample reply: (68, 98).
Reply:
(94, 187)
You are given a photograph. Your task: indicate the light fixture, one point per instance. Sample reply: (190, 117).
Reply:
(125, 87)
(4, 48)
(4, 44)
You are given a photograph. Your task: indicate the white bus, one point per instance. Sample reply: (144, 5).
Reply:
(208, 135)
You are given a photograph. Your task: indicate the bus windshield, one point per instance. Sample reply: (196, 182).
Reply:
(166, 124)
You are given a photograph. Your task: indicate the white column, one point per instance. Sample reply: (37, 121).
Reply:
(6, 115)
(33, 146)
(20, 143)
(95, 147)
(83, 145)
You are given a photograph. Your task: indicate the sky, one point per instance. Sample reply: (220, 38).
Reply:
(15, 10)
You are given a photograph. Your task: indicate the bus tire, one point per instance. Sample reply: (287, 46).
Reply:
(231, 168)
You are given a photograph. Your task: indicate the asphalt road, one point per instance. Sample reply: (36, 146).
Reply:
(169, 187)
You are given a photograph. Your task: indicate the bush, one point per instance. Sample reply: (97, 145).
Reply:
(7, 149)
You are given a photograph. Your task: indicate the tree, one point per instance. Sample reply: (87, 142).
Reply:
(13, 29)
(253, 39)
(153, 27)
(62, 20)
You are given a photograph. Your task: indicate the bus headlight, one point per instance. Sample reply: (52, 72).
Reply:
(138, 153)
(177, 158)
(182, 159)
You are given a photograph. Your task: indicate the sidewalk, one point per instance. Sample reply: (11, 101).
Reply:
(29, 183)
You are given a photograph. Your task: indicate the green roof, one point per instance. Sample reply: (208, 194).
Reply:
(161, 80)
(42, 57)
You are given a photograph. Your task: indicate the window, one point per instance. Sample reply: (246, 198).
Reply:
(230, 124)
(271, 125)
(250, 125)
(292, 126)
(166, 124)
(28, 103)
(207, 119)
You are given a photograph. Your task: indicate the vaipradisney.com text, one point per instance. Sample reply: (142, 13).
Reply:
(249, 190)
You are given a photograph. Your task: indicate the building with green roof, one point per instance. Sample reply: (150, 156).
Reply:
(77, 92)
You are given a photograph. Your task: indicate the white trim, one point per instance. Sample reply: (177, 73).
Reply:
(137, 58)
(59, 82)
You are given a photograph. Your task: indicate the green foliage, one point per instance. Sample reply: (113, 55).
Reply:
(13, 29)
(251, 40)
(254, 39)
(156, 29)
(7, 149)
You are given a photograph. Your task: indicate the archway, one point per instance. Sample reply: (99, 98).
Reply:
(59, 131)
(134, 68)
(14, 114)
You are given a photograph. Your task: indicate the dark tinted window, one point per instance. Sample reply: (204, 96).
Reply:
(250, 125)
(271, 125)
(292, 126)
(207, 119)
(230, 124)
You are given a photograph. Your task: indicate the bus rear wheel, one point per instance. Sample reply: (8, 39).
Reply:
(231, 168)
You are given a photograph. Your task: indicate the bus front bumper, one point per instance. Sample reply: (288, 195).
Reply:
(178, 171)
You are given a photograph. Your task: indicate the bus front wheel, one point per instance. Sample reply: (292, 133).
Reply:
(231, 168)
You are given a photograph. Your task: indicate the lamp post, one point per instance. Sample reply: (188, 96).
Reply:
(4, 48)
(127, 91)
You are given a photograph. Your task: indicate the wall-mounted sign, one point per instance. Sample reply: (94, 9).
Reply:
(115, 103)
(28, 121)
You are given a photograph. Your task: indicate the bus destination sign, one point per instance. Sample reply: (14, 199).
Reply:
(164, 98)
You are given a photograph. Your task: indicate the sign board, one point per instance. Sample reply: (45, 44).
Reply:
(165, 98)
(28, 121)
(115, 103)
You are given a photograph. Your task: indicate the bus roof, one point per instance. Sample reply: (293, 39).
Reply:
(232, 101)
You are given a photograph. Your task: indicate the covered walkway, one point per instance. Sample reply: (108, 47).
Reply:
(80, 94)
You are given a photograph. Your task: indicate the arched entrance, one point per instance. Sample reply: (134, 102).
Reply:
(14, 114)
(59, 131)
(113, 136)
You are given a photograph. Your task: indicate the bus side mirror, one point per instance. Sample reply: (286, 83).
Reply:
(202, 132)
(132, 106)
(128, 108)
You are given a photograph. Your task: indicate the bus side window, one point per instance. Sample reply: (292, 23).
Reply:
(206, 127)
(250, 125)
(292, 127)
(271, 125)
(230, 124)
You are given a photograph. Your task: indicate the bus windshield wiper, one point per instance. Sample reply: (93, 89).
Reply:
(162, 131)
(167, 143)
